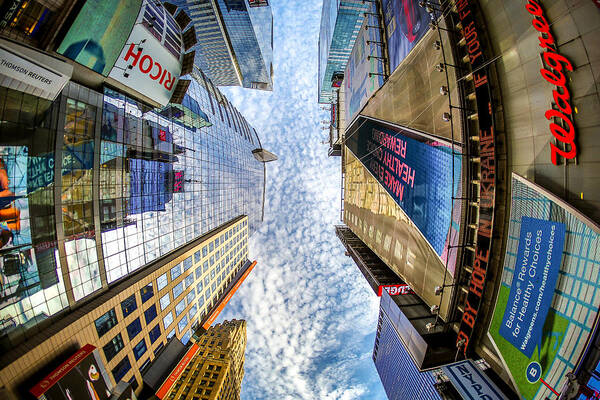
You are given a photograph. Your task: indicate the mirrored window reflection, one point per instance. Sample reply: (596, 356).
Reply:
(31, 285)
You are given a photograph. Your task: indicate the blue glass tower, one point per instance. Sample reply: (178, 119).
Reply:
(235, 41)
(340, 23)
(399, 375)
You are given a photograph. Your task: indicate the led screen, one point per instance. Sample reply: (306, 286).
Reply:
(99, 33)
(417, 174)
(405, 24)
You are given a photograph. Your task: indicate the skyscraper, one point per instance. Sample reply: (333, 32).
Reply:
(235, 41)
(124, 220)
(216, 369)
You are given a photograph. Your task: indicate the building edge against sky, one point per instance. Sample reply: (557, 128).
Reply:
(235, 41)
(126, 156)
(477, 108)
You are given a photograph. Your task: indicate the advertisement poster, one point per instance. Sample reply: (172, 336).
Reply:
(150, 61)
(418, 175)
(360, 85)
(406, 22)
(99, 33)
(538, 260)
(549, 296)
(81, 377)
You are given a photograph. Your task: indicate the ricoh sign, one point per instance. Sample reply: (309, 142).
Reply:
(146, 66)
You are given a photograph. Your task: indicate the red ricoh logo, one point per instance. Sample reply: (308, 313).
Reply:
(147, 65)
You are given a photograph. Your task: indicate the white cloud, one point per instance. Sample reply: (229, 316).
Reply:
(311, 315)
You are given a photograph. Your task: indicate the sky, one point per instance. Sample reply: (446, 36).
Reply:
(311, 316)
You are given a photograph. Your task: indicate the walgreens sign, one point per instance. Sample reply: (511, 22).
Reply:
(147, 67)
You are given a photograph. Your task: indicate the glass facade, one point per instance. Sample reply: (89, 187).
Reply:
(400, 377)
(96, 186)
(340, 23)
(246, 33)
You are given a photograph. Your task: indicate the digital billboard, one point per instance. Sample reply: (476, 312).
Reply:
(364, 60)
(99, 33)
(81, 377)
(548, 301)
(418, 175)
(150, 61)
(406, 22)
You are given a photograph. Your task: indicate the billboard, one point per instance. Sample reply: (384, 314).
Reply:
(471, 382)
(360, 85)
(418, 175)
(150, 62)
(81, 377)
(406, 22)
(547, 304)
(99, 33)
(394, 290)
(176, 373)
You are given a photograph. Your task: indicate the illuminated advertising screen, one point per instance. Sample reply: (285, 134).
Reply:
(150, 61)
(418, 175)
(405, 24)
(363, 62)
(81, 377)
(547, 304)
(99, 33)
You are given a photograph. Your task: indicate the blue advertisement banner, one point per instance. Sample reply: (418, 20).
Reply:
(538, 261)
(406, 22)
(417, 175)
(364, 71)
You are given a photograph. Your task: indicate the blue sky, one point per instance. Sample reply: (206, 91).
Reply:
(311, 315)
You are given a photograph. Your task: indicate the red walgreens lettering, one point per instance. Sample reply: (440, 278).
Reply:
(553, 74)
(146, 65)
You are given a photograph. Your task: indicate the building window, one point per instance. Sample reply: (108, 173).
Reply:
(198, 272)
(154, 333)
(182, 324)
(134, 328)
(211, 247)
(186, 338)
(193, 311)
(190, 296)
(204, 251)
(146, 292)
(171, 334)
(121, 369)
(150, 313)
(177, 290)
(128, 305)
(106, 322)
(189, 280)
(144, 365)
(167, 320)
(164, 302)
(112, 348)
(199, 287)
(133, 382)
(140, 349)
(197, 256)
(187, 263)
(175, 272)
(162, 281)
(205, 266)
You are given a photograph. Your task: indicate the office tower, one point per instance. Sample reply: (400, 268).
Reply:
(452, 166)
(235, 41)
(340, 24)
(119, 175)
(399, 373)
(216, 367)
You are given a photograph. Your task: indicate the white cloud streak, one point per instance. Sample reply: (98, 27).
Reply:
(311, 315)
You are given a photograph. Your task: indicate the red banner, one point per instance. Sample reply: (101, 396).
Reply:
(176, 373)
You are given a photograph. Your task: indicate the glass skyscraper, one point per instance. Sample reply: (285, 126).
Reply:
(340, 24)
(399, 375)
(96, 186)
(235, 41)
